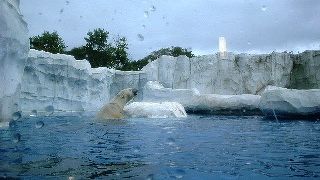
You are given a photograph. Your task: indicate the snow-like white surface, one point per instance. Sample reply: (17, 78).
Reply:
(153, 85)
(155, 110)
(290, 102)
(14, 47)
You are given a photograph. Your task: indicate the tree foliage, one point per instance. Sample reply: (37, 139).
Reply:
(101, 52)
(174, 51)
(98, 49)
(50, 42)
(78, 52)
(121, 55)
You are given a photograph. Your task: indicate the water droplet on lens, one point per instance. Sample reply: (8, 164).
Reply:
(140, 37)
(67, 2)
(179, 173)
(146, 14)
(16, 116)
(249, 43)
(15, 105)
(136, 150)
(171, 141)
(144, 26)
(264, 8)
(16, 138)
(39, 124)
(150, 177)
(33, 113)
(153, 8)
(61, 11)
(49, 109)
(12, 124)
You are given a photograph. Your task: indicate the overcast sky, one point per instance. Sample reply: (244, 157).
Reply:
(254, 26)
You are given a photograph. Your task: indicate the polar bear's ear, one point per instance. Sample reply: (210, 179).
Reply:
(122, 96)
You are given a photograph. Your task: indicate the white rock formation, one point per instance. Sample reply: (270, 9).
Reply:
(155, 92)
(202, 84)
(290, 103)
(155, 110)
(239, 74)
(202, 103)
(69, 85)
(244, 104)
(14, 47)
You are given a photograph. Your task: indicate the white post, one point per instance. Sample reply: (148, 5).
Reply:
(223, 48)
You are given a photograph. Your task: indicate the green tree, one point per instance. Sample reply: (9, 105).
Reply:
(79, 53)
(178, 51)
(50, 42)
(121, 60)
(170, 51)
(98, 50)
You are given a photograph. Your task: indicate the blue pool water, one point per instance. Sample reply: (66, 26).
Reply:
(199, 147)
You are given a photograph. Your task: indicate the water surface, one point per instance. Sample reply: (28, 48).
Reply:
(198, 147)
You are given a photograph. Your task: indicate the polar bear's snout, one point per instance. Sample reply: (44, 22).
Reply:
(135, 91)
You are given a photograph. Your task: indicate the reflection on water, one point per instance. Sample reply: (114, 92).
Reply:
(202, 147)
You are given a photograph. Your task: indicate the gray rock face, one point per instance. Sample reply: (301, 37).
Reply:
(239, 74)
(290, 103)
(14, 47)
(69, 85)
(305, 73)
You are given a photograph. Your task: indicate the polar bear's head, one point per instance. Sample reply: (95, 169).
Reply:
(125, 96)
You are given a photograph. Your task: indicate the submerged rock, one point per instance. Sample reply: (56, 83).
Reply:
(290, 103)
(155, 110)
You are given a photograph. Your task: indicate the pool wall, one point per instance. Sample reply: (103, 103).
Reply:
(72, 85)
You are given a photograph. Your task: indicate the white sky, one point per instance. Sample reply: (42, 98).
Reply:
(254, 26)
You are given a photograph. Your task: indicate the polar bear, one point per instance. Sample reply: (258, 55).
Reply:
(114, 109)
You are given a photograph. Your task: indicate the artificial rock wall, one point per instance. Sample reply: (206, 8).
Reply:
(239, 74)
(14, 47)
(60, 81)
(66, 84)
